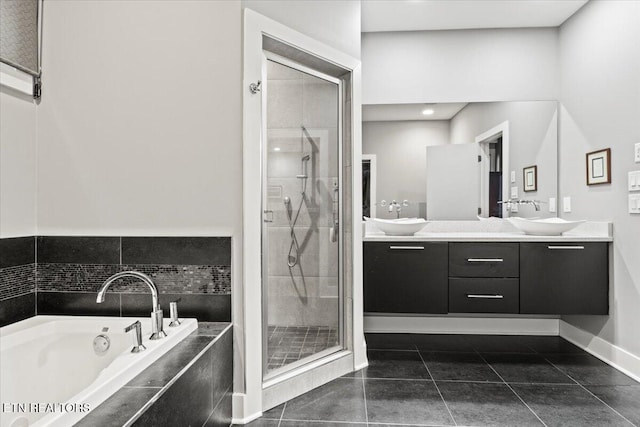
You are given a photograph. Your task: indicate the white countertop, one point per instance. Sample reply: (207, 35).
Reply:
(491, 231)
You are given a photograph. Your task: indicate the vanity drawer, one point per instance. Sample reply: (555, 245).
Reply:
(484, 295)
(486, 259)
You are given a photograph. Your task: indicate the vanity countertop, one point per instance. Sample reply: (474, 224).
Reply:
(492, 231)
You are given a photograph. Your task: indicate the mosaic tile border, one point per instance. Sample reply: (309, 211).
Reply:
(17, 280)
(182, 279)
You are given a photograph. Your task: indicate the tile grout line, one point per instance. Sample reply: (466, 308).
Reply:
(589, 392)
(512, 390)
(364, 397)
(282, 414)
(455, 423)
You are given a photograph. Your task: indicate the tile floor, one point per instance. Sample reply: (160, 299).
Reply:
(287, 344)
(468, 380)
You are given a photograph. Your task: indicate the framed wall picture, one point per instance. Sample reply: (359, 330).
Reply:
(530, 177)
(599, 167)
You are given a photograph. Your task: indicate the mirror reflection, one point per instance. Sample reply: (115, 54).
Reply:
(464, 161)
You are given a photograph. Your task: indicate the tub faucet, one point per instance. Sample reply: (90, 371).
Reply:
(156, 313)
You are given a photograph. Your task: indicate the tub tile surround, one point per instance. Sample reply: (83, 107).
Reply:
(190, 385)
(195, 271)
(17, 279)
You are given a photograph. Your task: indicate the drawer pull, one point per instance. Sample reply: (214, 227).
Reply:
(484, 296)
(485, 260)
(565, 247)
(409, 248)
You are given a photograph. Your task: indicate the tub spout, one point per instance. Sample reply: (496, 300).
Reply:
(156, 311)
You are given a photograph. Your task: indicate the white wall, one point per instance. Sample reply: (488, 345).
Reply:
(401, 155)
(140, 121)
(17, 164)
(335, 23)
(600, 82)
(452, 66)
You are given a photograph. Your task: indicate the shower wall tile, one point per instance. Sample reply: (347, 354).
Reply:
(17, 251)
(284, 104)
(176, 250)
(277, 71)
(320, 103)
(78, 249)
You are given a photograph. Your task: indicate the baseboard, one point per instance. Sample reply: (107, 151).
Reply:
(611, 354)
(463, 325)
(238, 410)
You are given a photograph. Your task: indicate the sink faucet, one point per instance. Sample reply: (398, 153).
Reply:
(535, 203)
(156, 312)
(395, 206)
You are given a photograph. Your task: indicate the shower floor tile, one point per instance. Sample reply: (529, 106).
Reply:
(288, 344)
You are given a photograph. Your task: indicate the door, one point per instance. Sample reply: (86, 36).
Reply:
(301, 234)
(453, 182)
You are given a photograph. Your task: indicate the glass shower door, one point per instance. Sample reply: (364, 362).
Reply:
(301, 277)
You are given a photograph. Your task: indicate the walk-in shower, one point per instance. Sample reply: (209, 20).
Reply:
(302, 289)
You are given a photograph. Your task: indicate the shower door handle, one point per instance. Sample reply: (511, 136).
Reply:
(268, 215)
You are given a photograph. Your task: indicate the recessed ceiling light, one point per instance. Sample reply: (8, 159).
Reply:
(428, 111)
(276, 149)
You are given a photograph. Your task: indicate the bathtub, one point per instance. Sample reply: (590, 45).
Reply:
(51, 375)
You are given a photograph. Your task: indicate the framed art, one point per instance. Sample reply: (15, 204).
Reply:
(530, 177)
(599, 167)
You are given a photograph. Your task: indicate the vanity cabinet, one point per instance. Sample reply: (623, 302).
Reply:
(483, 277)
(564, 278)
(486, 277)
(405, 277)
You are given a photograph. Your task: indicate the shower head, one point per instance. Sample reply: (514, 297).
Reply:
(306, 158)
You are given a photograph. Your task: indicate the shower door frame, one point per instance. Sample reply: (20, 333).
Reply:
(269, 377)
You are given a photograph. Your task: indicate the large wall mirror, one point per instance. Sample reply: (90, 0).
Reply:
(461, 161)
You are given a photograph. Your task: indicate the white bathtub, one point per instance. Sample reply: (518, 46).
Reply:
(50, 374)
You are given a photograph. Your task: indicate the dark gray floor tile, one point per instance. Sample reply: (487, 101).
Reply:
(486, 405)
(395, 364)
(589, 370)
(274, 413)
(389, 342)
(526, 368)
(339, 400)
(405, 402)
(437, 342)
(355, 374)
(260, 422)
(298, 423)
(550, 344)
(567, 406)
(624, 399)
(458, 367)
(498, 344)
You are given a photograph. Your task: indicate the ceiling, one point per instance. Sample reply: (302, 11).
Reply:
(402, 112)
(421, 15)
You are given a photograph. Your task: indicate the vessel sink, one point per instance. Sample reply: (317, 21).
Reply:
(400, 226)
(544, 227)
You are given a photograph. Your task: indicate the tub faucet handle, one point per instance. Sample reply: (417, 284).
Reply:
(173, 309)
(137, 337)
(157, 330)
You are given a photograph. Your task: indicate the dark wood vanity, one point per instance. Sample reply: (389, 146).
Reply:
(423, 277)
